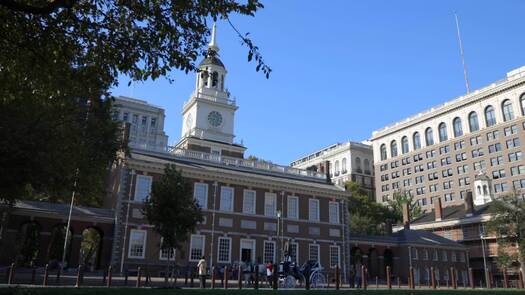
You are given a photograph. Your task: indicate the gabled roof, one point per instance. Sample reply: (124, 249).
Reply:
(58, 210)
(409, 238)
(451, 213)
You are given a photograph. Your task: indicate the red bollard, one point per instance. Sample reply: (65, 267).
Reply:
(411, 278)
(363, 277)
(432, 277)
(489, 281)
(337, 277)
(520, 280)
(79, 269)
(226, 269)
(46, 275)
(505, 278)
(110, 276)
(239, 277)
(213, 277)
(138, 278)
(471, 278)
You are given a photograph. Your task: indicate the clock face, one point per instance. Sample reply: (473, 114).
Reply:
(189, 120)
(215, 119)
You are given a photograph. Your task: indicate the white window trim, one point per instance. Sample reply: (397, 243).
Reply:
(191, 247)
(338, 255)
(296, 209)
(244, 201)
(274, 197)
(135, 195)
(143, 244)
(274, 249)
(229, 250)
(317, 218)
(318, 252)
(330, 213)
(195, 193)
(233, 198)
(254, 248)
(160, 252)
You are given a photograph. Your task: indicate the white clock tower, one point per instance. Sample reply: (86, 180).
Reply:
(208, 116)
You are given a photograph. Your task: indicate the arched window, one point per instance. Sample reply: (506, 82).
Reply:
(383, 152)
(404, 145)
(416, 141)
(393, 148)
(442, 132)
(204, 77)
(343, 165)
(458, 129)
(358, 164)
(508, 112)
(522, 102)
(214, 79)
(367, 166)
(336, 167)
(473, 122)
(490, 116)
(429, 136)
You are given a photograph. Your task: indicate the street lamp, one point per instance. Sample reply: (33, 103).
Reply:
(278, 236)
(482, 237)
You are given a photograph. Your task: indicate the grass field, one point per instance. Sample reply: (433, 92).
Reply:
(144, 291)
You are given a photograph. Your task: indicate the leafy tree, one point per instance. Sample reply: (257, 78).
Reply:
(366, 215)
(396, 205)
(508, 223)
(171, 208)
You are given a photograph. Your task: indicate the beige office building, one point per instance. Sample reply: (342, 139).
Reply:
(473, 142)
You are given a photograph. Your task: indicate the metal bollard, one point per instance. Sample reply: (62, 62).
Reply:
(11, 278)
(138, 278)
(46, 275)
(110, 276)
(226, 269)
(337, 277)
(239, 277)
(388, 278)
(79, 269)
(213, 277)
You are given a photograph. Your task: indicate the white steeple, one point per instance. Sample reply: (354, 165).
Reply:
(213, 42)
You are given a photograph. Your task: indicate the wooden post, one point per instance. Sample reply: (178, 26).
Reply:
(489, 281)
(46, 275)
(33, 275)
(239, 277)
(471, 278)
(337, 277)
(388, 281)
(520, 280)
(256, 286)
(11, 278)
(213, 277)
(226, 269)
(411, 278)
(432, 277)
(110, 276)
(138, 278)
(79, 269)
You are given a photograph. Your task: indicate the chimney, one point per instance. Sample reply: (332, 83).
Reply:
(388, 227)
(327, 171)
(469, 205)
(406, 216)
(438, 209)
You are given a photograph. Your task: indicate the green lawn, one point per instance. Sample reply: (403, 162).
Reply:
(144, 291)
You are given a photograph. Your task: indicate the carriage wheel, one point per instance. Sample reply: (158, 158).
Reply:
(289, 282)
(318, 280)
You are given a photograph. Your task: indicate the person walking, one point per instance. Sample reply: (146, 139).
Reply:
(201, 266)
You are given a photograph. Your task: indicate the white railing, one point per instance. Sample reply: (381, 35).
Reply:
(244, 163)
(213, 97)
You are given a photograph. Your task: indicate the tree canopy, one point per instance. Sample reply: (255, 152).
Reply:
(508, 224)
(171, 208)
(55, 55)
(396, 204)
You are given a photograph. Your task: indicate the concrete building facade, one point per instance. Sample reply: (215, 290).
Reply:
(474, 142)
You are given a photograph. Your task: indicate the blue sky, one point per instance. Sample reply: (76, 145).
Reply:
(342, 69)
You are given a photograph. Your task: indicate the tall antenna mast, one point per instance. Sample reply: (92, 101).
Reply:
(465, 75)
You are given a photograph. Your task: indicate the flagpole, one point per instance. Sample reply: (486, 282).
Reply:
(465, 74)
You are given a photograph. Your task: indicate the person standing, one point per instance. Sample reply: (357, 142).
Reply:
(201, 266)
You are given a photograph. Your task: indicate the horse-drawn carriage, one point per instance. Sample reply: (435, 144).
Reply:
(292, 276)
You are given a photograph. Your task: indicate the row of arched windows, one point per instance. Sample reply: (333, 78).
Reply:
(457, 127)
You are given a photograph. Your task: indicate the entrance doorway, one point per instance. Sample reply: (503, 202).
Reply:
(247, 250)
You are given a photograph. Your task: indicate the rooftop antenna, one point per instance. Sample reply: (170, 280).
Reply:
(465, 75)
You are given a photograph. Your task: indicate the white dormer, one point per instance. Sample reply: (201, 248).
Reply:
(482, 189)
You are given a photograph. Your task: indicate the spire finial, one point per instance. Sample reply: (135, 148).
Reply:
(213, 43)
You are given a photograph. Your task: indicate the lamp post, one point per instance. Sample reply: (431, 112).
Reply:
(482, 237)
(278, 235)
(213, 224)
(126, 223)
(75, 183)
